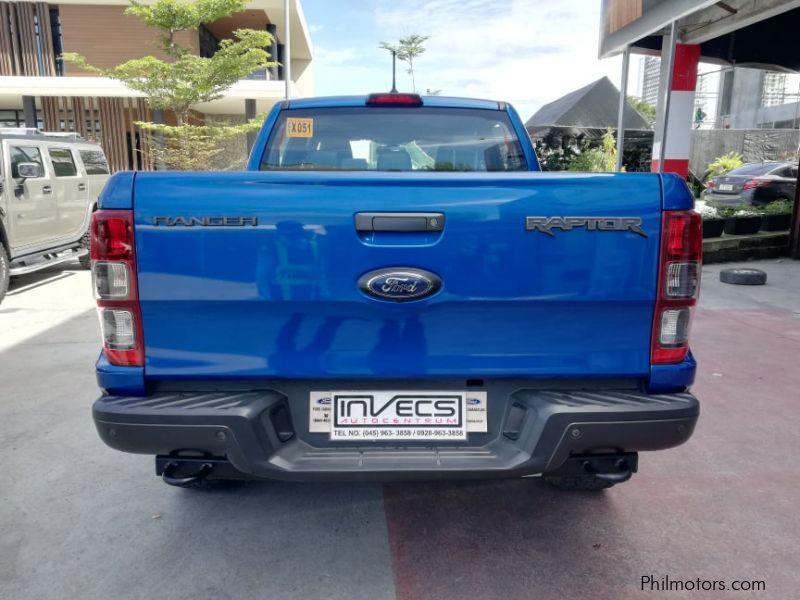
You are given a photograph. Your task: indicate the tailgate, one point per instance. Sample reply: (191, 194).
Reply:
(250, 275)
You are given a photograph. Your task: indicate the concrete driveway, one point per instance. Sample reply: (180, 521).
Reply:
(78, 520)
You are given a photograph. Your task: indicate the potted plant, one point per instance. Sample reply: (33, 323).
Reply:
(777, 216)
(724, 164)
(713, 224)
(740, 220)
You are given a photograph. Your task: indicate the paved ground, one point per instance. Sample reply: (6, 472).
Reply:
(78, 520)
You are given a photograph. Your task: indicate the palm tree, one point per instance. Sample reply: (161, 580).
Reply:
(407, 49)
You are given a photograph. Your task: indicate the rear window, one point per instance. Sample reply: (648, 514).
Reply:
(94, 161)
(786, 172)
(753, 169)
(393, 139)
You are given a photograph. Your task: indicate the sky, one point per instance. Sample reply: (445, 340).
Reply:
(527, 52)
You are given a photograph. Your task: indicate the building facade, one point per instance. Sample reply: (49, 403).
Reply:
(650, 73)
(758, 99)
(38, 89)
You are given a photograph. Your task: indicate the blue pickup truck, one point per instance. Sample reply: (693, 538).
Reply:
(393, 291)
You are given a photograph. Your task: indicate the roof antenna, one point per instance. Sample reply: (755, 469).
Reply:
(394, 76)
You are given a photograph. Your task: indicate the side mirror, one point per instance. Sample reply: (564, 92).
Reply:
(29, 170)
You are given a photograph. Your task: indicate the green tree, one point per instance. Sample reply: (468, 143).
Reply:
(602, 159)
(407, 49)
(609, 149)
(183, 79)
(556, 153)
(647, 110)
(590, 160)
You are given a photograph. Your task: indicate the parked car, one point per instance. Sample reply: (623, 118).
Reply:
(393, 292)
(753, 184)
(49, 185)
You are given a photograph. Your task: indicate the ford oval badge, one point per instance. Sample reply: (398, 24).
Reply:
(399, 284)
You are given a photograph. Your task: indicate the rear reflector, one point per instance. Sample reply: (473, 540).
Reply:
(394, 100)
(683, 280)
(119, 332)
(674, 330)
(111, 280)
(114, 280)
(678, 285)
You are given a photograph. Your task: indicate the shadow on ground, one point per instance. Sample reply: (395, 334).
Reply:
(78, 519)
(22, 283)
(81, 520)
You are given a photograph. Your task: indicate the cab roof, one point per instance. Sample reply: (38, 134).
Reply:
(354, 101)
(31, 134)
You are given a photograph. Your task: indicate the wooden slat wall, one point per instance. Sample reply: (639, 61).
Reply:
(65, 108)
(27, 38)
(144, 114)
(50, 116)
(622, 12)
(79, 110)
(111, 133)
(18, 40)
(46, 36)
(108, 121)
(8, 62)
(94, 118)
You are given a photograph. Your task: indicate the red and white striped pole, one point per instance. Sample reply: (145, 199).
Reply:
(680, 111)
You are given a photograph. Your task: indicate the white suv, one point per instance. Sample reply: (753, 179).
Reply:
(49, 184)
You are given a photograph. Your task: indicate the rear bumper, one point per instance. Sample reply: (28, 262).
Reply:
(724, 200)
(531, 431)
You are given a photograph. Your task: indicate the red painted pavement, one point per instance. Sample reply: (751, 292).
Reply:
(723, 506)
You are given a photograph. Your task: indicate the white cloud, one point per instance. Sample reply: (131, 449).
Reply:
(528, 52)
(314, 27)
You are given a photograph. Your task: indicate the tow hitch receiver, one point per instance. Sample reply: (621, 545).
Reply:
(614, 468)
(185, 472)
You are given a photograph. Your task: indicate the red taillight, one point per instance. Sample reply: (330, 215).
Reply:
(112, 235)
(710, 183)
(683, 236)
(754, 183)
(678, 285)
(115, 286)
(394, 100)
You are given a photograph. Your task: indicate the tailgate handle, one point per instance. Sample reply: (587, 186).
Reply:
(406, 221)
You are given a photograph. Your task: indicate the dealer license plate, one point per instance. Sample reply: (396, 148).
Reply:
(397, 415)
(725, 187)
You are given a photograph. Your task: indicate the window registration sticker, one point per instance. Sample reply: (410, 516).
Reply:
(299, 128)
